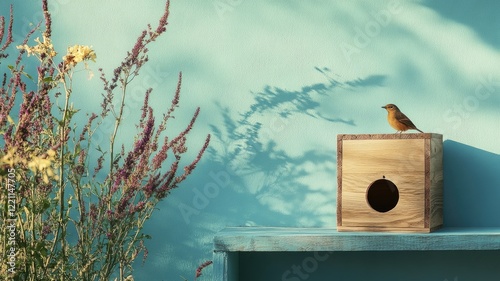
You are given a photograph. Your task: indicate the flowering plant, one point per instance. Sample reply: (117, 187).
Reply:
(72, 212)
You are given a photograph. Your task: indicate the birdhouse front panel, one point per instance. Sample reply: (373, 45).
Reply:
(389, 182)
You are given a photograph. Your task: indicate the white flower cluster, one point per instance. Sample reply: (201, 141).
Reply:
(79, 53)
(42, 48)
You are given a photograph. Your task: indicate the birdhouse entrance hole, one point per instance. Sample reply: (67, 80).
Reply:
(382, 195)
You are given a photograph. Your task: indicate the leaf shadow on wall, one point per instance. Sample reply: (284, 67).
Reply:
(299, 187)
(471, 186)
(247, 180)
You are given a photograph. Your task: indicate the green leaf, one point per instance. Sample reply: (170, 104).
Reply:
(48, 79)
(41, 249)
(45, 204)
(11, 67)
(27, 75)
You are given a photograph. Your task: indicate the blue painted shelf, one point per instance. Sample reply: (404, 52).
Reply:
(271, 239)
(231, 241)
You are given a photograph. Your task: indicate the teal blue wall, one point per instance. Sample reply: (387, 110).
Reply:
(276, 82)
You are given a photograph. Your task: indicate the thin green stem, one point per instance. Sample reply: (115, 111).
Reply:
(32, 230)
(61, 184)
(118, 120)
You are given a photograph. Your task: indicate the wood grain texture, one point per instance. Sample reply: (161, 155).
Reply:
(339, 179)
(395, 156)
(407, 213)
(436, 181)
(387, 136)
(413, 162)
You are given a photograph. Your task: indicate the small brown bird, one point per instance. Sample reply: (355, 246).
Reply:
(398, 120)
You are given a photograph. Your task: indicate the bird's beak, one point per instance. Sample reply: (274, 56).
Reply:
(383, 106)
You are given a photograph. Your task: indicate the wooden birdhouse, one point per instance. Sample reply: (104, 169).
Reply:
(390, 182)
